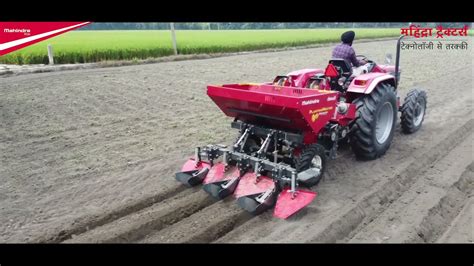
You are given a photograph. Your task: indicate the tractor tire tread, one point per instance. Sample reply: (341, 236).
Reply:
(361, 128)
(304, 161)
(407, 117)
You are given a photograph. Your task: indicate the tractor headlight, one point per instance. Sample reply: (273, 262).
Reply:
(341, 81)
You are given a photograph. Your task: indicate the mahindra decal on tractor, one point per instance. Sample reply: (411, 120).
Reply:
(291, 126)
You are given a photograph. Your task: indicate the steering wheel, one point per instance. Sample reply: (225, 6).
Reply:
(363, 57)
(371, 64)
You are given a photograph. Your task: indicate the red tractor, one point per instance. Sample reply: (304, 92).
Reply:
(291, 126)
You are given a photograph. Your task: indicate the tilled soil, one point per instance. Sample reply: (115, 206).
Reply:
(90, 156)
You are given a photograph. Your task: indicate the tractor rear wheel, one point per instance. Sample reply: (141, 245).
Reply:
(413, 111)
(312, 156)
(372, 130)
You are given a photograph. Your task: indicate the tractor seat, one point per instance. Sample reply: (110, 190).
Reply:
(342, 66)
(338, 68)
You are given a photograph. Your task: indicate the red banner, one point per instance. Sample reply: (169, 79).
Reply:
(16, 35)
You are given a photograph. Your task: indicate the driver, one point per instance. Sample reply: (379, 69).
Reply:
(345, 51)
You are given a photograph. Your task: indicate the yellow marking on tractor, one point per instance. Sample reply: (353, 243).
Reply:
(325, 91)
(315, 113)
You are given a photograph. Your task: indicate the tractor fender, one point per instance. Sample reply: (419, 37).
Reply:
(366, 83)
(300, 77)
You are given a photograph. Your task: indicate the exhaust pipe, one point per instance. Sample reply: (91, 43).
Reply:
(397, 62)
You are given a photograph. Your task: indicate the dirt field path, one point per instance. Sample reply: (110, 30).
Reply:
(89, 156)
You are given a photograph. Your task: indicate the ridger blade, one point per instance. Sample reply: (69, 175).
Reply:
(248, 186)
(192, 174)
(258, 203)
(287, 206)
(217, 173)
(222, 189)
(192, 178)
(220, 183)
(255, 197)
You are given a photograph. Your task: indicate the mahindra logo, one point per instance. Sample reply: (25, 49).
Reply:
(310, 102)
(25, 31)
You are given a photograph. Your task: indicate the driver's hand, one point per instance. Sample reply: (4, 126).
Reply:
(363, 61)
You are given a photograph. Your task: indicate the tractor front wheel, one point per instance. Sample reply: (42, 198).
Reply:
(372, 130)
(413, 111)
